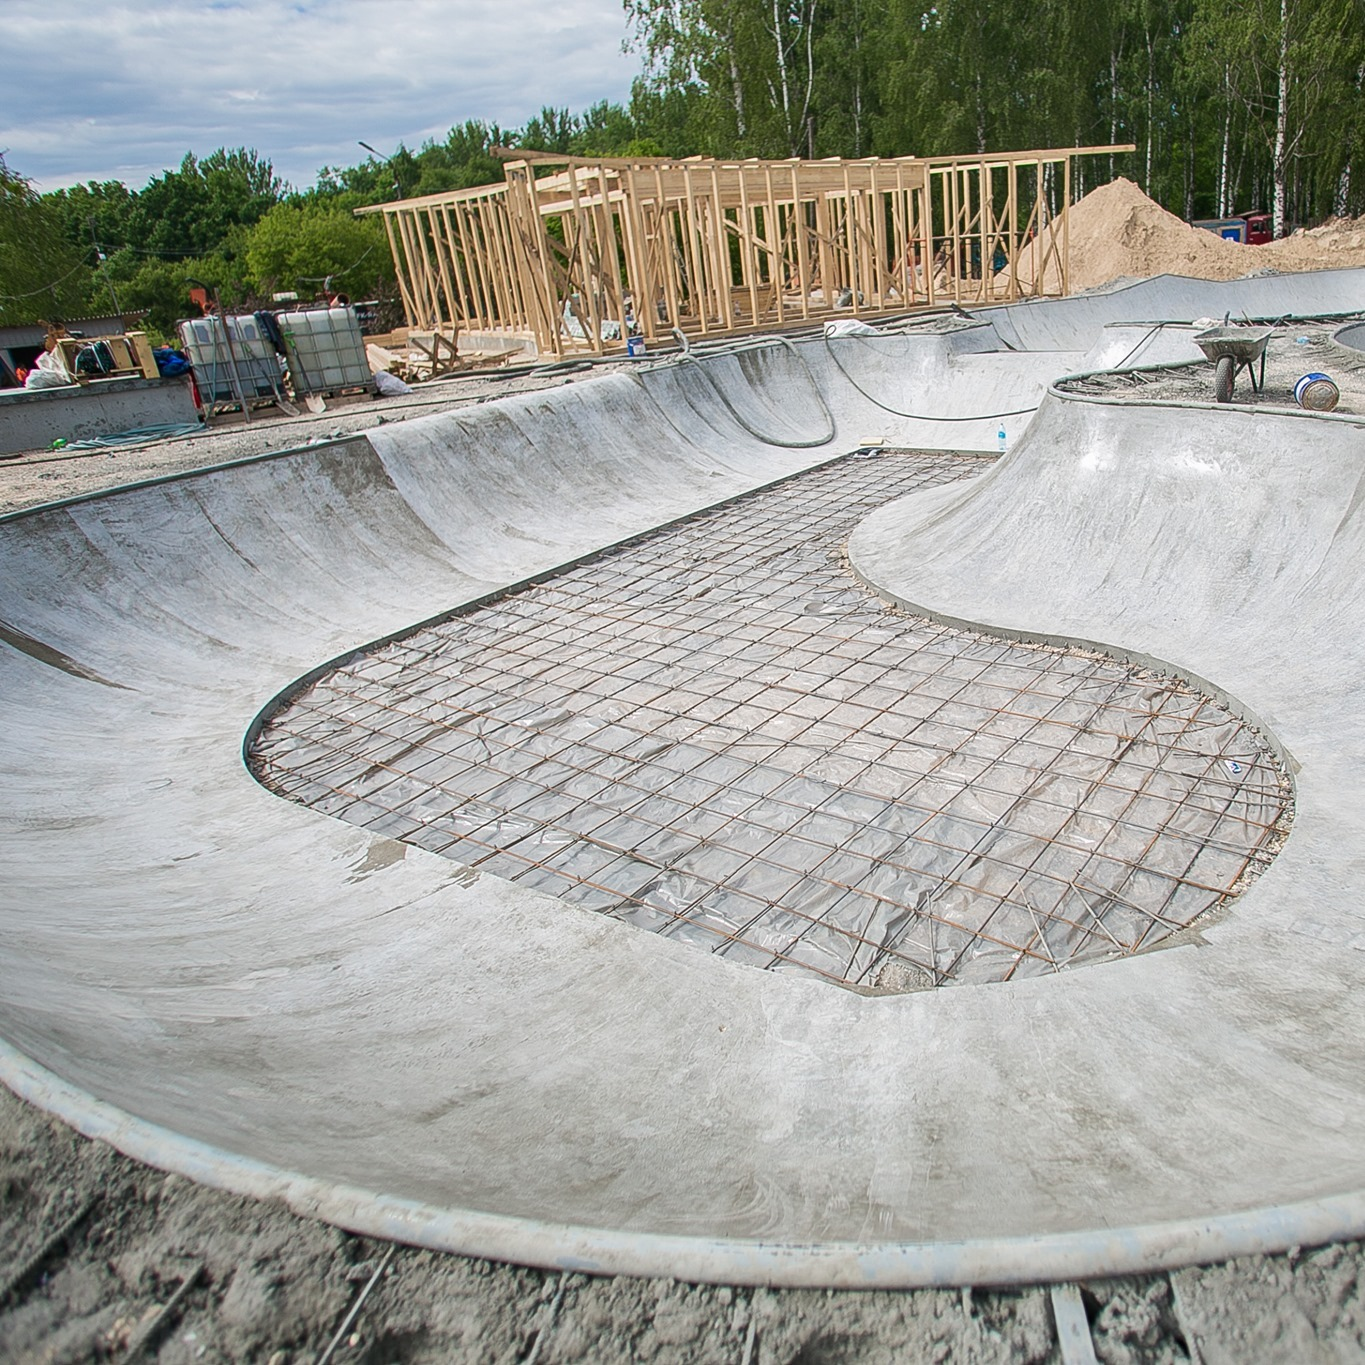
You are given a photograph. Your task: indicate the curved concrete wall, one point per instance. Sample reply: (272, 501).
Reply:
(1352, 335)
(239, 988)
(1070, 324)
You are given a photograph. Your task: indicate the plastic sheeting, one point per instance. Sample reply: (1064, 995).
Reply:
(716, 734)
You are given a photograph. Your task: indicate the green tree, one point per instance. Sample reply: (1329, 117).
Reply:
(1284, 79)
(41, 274)
(298, 246)
(191, 210)
(668, 117)
(93, 213)
(752, 62)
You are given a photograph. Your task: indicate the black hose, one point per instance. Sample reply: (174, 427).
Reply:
(756, 343)
(920, 416)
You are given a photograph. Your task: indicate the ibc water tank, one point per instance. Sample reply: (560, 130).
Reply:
(325, 350)
(258, 363)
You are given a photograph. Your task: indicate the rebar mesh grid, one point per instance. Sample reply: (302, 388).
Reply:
(714, 733)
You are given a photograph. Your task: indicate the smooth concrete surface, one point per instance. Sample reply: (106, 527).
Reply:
(238, 988)
(31, 419)
(1352, 336)
(1068, 324)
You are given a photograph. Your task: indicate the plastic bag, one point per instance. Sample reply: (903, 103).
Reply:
(390, 386)
(48, 373)
(849, 327)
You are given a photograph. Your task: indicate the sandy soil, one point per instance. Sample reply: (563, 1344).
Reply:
(1116, 231)
(104, 1259)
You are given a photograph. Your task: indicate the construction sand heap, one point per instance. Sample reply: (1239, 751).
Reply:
(1116, 231)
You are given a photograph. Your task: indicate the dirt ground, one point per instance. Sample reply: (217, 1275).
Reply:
(103, 1259)
(1294, 349)
(267, 1286)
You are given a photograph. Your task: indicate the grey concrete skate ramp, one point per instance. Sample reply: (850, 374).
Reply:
(1352, 336)
(235, 987)
(1071, 324)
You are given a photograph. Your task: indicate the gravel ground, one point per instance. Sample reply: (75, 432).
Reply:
(1294, 349)
(102, 1258)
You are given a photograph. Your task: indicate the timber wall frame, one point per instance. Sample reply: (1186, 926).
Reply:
(580, 253)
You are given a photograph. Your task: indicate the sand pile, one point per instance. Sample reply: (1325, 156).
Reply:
(1339, 242)
(1117, 231)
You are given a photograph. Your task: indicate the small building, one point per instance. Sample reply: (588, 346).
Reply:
(20, 345)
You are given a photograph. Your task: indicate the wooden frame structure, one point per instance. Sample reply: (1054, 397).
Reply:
(581, 253)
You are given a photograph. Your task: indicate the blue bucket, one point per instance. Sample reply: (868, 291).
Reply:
(635, 347)
(1316, 392)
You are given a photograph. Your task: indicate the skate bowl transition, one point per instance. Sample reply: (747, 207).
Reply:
(266, 998)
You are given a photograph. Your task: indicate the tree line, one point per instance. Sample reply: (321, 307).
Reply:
(227, 220)
(1232, 107)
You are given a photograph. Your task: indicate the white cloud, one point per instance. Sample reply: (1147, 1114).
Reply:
(121, 90)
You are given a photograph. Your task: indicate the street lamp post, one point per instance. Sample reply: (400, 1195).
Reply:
(388, 161)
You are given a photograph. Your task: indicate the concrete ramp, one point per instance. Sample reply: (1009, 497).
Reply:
(1069, 324)
(233, 986)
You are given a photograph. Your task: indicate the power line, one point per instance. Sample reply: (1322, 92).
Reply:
(82, 264)
(322, 279)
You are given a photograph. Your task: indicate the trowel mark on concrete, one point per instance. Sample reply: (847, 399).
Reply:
(714, 734)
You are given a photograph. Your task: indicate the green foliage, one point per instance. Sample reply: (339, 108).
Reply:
(1232, 107)
(668, 117)
(93, 213)
(1196, 84)
(193, 209)
(462, 160)
(296, 246)
(41, 274)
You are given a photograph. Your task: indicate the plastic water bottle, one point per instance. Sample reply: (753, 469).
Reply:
(1000, 439)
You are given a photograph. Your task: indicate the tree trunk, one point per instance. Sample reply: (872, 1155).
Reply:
(1281, 124)
(1151, 82)
(737, 87)
(1114, 58)
(784, 80)
(1189, 170)
(857, 81)
(1224, 197)
(806, 118)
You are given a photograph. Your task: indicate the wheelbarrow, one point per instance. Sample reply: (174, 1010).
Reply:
(1232, 349)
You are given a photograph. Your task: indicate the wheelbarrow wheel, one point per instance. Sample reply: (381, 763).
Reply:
(1224, 375)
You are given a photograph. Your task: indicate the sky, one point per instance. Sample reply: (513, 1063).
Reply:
(111, 90)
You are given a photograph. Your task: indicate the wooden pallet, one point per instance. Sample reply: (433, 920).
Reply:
(132, 352)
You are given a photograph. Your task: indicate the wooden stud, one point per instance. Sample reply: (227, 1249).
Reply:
(696, 285)
(1066, 227)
